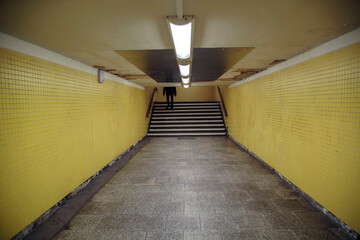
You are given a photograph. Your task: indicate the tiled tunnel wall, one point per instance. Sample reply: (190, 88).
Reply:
(304, 121)
(58, 127)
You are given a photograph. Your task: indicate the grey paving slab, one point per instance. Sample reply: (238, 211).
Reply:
(279, 234)
(315, 234)
(164, 235)
(220, 222)
(240, 235)
(202, 235)
(198, 188)
(122, 235)
(180, 223)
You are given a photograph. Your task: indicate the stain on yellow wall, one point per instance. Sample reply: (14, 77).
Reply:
(58, 127)
(304, 121)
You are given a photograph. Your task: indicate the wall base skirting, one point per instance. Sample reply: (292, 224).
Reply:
(56, 218)
(348, 231)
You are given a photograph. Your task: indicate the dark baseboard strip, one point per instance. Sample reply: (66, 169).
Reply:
(59, 216)
(347, 231)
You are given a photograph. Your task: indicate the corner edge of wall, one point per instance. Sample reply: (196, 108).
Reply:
(346, 229)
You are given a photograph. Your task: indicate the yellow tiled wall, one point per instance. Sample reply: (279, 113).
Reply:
(304, 121)
(58, 127)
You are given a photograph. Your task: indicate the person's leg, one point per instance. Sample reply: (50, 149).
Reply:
(172, 102)
(167, 100)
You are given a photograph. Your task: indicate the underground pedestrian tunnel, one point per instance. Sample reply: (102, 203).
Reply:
(263, 141)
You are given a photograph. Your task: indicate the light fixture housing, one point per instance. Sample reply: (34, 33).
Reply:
(182, 32)
(182, 36)
(185, 80)
(184, 70)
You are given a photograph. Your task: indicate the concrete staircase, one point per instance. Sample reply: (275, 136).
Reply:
(187, 119)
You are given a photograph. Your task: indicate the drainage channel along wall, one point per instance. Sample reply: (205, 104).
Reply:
(58, 127)
(304, 121)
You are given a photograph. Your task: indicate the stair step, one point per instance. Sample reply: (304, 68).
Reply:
(186, 110)
(187, 107)
(186, 134)
(199, 117)
(189, 104)
(185, 125)
(189, 121)
(187, 114)
(186, 129)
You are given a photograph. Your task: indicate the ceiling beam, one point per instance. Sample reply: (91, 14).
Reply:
(179, 9)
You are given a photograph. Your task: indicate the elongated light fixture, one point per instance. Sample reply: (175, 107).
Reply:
(185, 80)
(182, 39)
(184, 70)
(181, 31)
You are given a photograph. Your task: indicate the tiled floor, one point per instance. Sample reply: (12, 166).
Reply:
(197, 188)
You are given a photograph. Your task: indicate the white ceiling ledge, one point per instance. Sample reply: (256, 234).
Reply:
(17, 45)
(330, 46)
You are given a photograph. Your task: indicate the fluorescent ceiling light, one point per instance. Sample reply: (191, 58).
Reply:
(184, 70)
(186, 85)
(185, 80)
(182, 39)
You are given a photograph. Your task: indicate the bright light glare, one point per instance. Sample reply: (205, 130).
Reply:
(185, 80)
(186, 85)
(182, 39)
(184, 70)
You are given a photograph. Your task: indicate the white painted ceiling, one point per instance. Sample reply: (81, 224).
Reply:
(91, 31)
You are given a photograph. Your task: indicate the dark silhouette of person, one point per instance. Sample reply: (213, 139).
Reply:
(170, 92)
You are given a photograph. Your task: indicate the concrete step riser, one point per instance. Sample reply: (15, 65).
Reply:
(186, 111)
(184, 134)
(187, 121)
(186, 114)
(186, 107)
(177, 118)
(185, 125)
(186, 129)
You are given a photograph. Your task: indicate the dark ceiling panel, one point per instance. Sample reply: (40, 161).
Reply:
(208, 63)
(160, 65)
